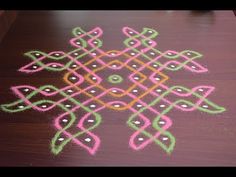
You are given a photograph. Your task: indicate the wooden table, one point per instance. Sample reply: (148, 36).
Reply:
(6, 19)
(201, 139)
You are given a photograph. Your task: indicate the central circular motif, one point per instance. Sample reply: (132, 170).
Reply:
(115, 79)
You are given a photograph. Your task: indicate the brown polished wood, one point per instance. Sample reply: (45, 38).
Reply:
(201, 139)
(6, 20)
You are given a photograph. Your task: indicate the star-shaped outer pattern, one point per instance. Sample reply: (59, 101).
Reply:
(133, 79)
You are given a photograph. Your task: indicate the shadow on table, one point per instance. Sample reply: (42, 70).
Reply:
(203, 17)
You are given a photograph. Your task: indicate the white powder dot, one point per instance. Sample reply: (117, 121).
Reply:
(92, 106)
(140, 139)
(157, 78)
(150, 31)
(139, 105)
(64, 120)
(135, 91)
(164, 138)
(44, 106)
(74, 66)
(57, 54)
(90, 120)
(179, 90)
(21, 106)
(94, 54)
(131, 32)
(169, 53)
(94, 78)
(158, 90)
(68, 105)
(200, 90)
(205, 106)
(69, 91)
(26, 89)
(54, 66)
(94, 66)
(155, 65)
(162, 105)
(152, 53)
(95, 42)
(47, 90)
(193, 67)
(73, 78)
(116, 105)
(161, 122)
(114, 66)
(134, 66)
(78, 43)
(76, 54)
(35, 66)
(61, 139)
(132, 42)
(37, 54)
(150, 42)
(184, 105)
(172, 66)
(137, 122)
(87, 139)
(136, 78)
(132, 53)
(114, 91)
(188, 53)
(92, 91)
(113, 54)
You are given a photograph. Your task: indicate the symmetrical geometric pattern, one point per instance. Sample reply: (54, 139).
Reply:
(133, 79)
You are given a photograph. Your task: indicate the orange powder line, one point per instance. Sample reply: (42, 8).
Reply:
(65, 78)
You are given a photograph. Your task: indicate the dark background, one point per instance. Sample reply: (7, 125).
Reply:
(201, 139)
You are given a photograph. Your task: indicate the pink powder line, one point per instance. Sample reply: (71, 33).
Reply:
(146, 120)
(202, 69)
(119, 53)
(24, 68)
(101, 62)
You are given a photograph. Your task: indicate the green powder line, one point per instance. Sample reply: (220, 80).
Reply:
(55, 149)
(67, 65)
(143, 41)
(169, 149)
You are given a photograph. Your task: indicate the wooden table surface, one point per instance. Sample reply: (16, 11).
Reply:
(201, 139)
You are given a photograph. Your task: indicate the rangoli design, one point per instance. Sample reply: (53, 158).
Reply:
(133, 79)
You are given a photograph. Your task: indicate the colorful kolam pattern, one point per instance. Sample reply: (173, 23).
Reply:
(133, 79)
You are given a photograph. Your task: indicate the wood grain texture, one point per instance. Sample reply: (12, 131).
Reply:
(201, 139)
